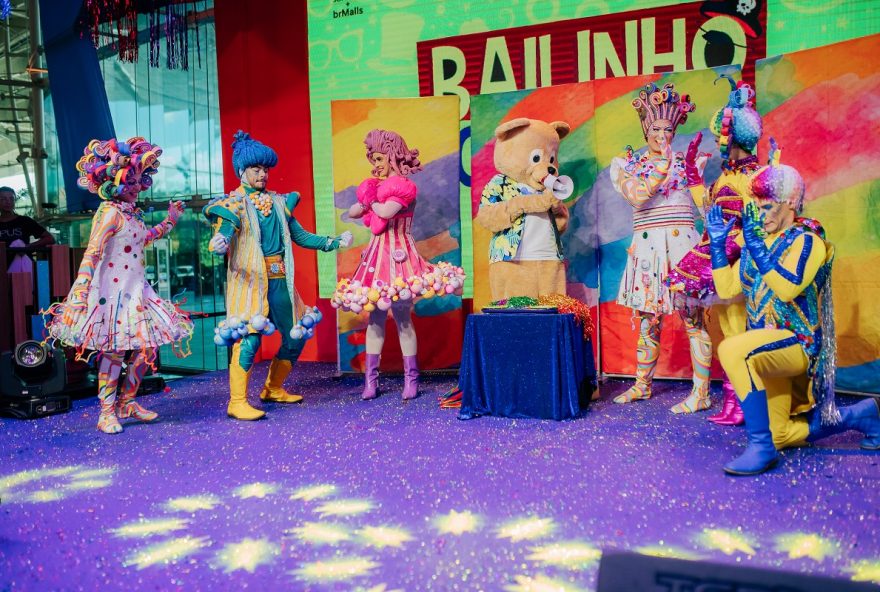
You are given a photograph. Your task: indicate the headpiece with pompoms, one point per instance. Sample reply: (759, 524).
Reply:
(779, 182)
(655, 103)
(737, 121)
(111, 168)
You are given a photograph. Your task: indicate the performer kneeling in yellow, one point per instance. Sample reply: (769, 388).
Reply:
(783, 365)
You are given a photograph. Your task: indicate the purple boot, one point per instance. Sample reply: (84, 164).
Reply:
(371, 378)
(410, 377)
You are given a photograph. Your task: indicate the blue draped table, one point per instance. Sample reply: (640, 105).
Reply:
(525, 365)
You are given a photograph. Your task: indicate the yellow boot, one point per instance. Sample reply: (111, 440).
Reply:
(238, 381)
(273, 392)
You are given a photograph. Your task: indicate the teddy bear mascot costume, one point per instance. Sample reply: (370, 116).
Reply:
(655, 185)
(737, 127)
(255, 228)
(522, 206)
(111, 308)
(783, 365)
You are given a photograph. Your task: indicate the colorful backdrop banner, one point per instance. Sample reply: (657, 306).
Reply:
(436, 224)
(371, 48)
(823, 107)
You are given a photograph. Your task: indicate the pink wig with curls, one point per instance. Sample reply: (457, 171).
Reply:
(391, 144)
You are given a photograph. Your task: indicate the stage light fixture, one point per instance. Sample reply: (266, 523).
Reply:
(32, 381)
(30, 354)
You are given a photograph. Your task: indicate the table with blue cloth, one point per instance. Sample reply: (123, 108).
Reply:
(525, 365)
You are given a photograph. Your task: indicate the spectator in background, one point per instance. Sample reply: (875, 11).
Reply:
(16, 231)
(19, 229)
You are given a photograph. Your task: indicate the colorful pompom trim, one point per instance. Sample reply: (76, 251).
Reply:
(445, 279)
(232, 329)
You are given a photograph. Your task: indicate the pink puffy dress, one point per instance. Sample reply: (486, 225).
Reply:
(391, 252)
(391, 267)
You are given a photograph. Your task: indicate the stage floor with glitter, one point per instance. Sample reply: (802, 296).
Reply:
(340, 494)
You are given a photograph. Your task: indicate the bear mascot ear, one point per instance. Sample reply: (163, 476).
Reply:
(561, 128)
(509, 128)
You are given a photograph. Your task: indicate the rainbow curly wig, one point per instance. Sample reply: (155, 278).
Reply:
(737, 121)
(111, 168)
(655, 103)
(779, 182)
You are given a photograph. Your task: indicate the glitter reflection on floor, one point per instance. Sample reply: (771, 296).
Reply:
(340, 494)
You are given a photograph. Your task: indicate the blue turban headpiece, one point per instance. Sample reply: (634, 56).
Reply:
(249, 152)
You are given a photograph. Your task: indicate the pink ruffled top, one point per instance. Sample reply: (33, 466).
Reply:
(396, 189)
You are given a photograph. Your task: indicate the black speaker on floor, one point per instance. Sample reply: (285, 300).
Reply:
(631, 572)
(32, 381)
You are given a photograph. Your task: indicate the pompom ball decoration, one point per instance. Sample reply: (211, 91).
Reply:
(229, 331)
(305, 326)
(444, 279)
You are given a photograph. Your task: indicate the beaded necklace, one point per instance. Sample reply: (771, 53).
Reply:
(261, 201)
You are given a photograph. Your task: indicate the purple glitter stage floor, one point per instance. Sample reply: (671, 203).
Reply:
(340, 494)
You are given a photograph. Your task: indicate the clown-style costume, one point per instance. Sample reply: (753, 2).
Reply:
(656, 186)
(736, 124)
(663, 227)
(257, 229)
(122, 311)
(392, 274)
(111, 308)
(782, 366)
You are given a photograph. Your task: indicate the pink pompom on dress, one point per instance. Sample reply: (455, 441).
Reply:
(391, 267)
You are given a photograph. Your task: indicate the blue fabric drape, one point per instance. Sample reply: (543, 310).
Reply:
(527, 365)
(79, 98)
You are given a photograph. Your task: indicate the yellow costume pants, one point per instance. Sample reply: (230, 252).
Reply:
(731, 317)
(771, 360)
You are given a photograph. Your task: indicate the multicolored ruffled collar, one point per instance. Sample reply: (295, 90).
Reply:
(747, 164)
(126, 207)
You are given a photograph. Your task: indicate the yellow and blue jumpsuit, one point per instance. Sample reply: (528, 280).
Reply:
(260, 281)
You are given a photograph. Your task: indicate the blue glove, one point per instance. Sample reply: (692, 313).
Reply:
(718, 231)
(753, 233)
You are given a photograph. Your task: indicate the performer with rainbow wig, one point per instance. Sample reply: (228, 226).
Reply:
(111, 309)
(783, 365)
(656, 184)
(737, 127)
(256, 228)
(392, 274)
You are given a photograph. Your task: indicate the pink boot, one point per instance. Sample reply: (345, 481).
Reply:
(410, 378)
(731, 413)
(371, 378)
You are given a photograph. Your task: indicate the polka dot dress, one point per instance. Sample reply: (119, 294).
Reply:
(124, 312)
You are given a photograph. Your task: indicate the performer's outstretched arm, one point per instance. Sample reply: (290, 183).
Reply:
(303, 237)
(175, 209)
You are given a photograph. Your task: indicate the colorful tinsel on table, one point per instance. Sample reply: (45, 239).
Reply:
(562, 303)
